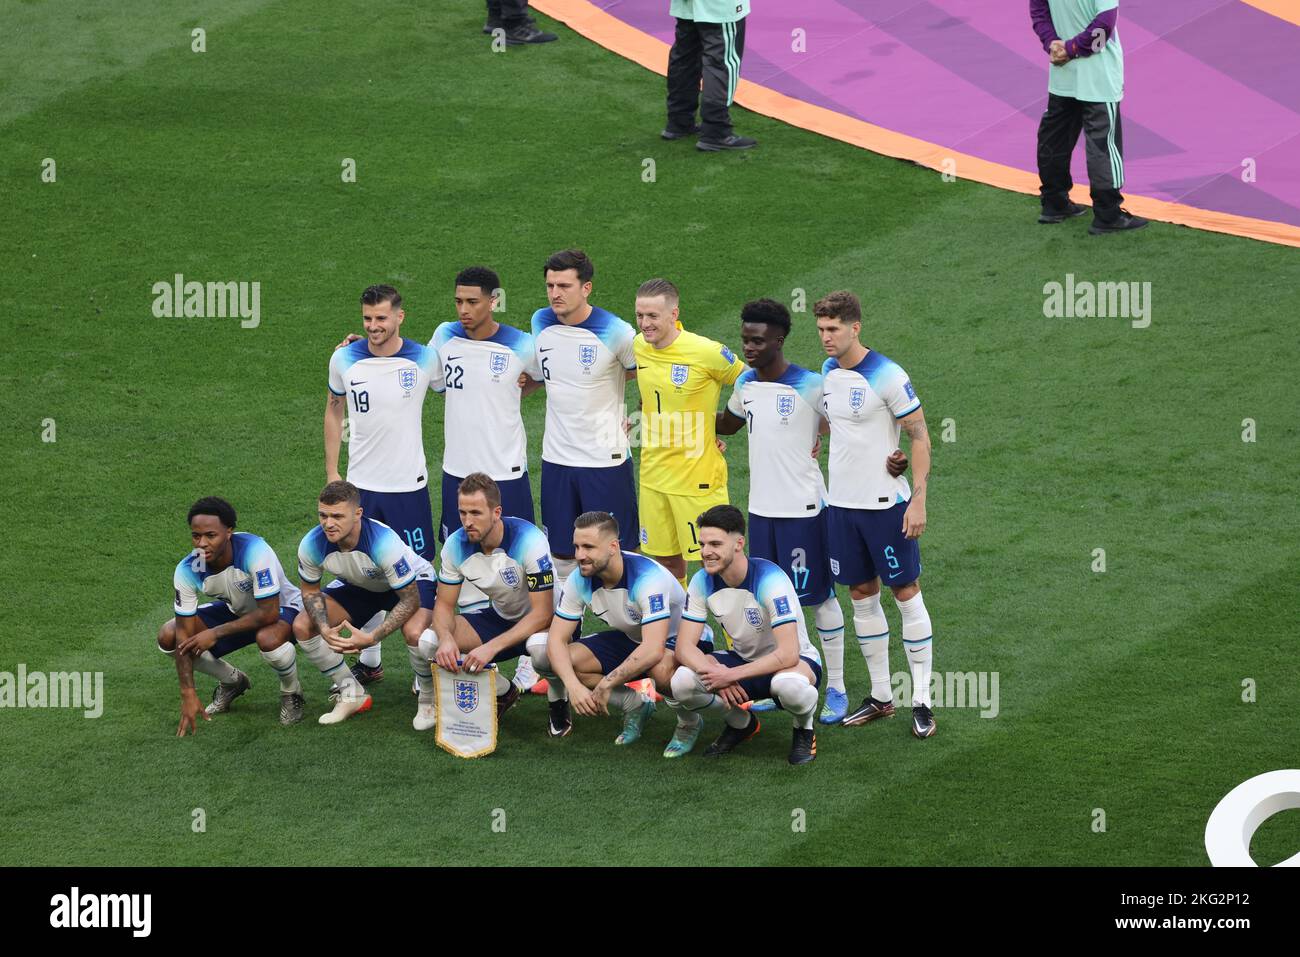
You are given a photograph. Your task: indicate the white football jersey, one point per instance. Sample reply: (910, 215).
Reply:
(864, 405)
(380, 562)
(519, 565)
(584, 368)
(385, 398)
(482, 428)
(254, 573)
(782, 418)
(647, 592)
(764, 600)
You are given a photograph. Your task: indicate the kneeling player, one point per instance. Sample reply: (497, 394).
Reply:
(509, 561)
(642, 603)
(375, 571)
(756, 604)
(256, 603)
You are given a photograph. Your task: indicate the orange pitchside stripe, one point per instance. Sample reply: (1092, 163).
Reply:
(627, 41)
(1282, 9)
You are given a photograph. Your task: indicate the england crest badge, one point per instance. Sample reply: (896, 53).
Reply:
(857, 399)
(510, 575)
(785, 405)
(499, 362)
(754, 617)
(587, 356)
(467, 696)
(406, 378)
(679, 374)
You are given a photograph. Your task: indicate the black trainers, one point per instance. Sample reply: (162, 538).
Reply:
(528, 34)
(870, 710)
(922, 721)
(560, 724)
(506, 701)
(291, 707)
(732, 142)
(493, 25)
(804, 746)
(671, 134)
(1121, 223)
(367, 675)
(1049, 217)
(731, 737)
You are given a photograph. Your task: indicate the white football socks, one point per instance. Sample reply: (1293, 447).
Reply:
(830, 629)
(537, 650)
(692, 695)
(284, 660)
(918, 642)
(564, 567)
(370, 657)
(625, 699)
(872, 629)
(420, 665)
(331, 664)
(225, 673)
(797, 696)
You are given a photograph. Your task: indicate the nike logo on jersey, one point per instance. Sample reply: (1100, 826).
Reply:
(362, 382)
(746, 401)
(452, 358)
(692, 551)
(546, 350)
(895, 575)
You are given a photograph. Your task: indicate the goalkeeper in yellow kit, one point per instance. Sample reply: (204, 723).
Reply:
(683, 474)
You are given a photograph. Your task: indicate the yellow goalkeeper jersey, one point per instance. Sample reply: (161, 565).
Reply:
(679, 387)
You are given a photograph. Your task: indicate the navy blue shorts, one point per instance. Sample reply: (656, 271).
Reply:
(761, 687)
(362, 604)
(799, 546)
(611, 649)
(488, 624)
(216, 613)
(568, 491)
(705, 644)
(406, 513)
(516, 502)
(869, 543)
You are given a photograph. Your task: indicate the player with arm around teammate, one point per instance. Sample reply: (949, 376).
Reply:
(374, 571)
(642, 603)
(757, 605)
(875, 519)
(255, 602)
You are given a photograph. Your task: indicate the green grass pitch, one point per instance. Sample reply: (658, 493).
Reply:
(1120, 690)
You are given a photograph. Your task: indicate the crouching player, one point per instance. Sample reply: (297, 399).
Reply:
(771, 656)
(374, 571)
(255, 604)
(642, 603)
(509, 561)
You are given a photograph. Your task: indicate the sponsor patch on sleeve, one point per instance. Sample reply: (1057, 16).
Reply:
(907, 387)
(264, 578)
(728, 354)
(403, 567)
(656, 603)
(782, 605)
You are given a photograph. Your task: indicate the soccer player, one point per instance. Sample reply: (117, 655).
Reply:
(374, 572)
(875, 520)
(642, 604)
(381, 380)
(758, 607)
(680, 376)
(585, 357)
(780, 403)
(255, 603)
(509, 561)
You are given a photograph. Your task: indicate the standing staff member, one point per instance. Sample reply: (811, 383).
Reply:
(709, 42)
(1084, 87)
